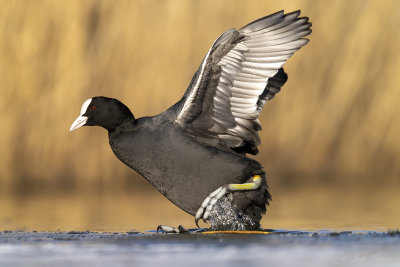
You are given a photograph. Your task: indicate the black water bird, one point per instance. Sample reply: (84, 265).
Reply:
(194, 153)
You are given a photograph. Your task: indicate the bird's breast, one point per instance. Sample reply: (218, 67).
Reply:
(180, 168)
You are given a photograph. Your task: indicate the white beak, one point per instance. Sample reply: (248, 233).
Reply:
(79, 122)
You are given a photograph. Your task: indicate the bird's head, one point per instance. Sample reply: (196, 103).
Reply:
(102, 111)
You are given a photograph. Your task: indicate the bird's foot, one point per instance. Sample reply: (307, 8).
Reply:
(172, 230)
(208, 204)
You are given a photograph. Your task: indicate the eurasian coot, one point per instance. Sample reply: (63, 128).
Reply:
(194, 153)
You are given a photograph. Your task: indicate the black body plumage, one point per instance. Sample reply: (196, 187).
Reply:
(182, 169)
(200, 143)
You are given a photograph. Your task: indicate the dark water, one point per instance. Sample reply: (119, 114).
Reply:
(278, 248)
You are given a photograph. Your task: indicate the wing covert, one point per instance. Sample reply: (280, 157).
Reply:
(241, 71)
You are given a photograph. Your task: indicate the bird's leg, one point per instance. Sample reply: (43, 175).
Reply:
(204, 211)
(172, 230)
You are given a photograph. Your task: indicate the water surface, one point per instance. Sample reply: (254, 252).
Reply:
(279, 248)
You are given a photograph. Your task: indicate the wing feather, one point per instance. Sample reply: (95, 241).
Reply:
(241, 71)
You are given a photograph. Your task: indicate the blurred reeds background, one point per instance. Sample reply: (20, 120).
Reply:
(330, 139)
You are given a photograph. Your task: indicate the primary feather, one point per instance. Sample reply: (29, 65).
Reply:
(241, 71)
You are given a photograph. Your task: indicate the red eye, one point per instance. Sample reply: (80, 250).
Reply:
(93, 107)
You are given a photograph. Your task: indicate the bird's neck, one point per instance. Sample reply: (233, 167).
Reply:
(121, 119)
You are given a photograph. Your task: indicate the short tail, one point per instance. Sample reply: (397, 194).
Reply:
(252, 203)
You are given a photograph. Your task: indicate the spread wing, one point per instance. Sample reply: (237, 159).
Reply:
(241, 71)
